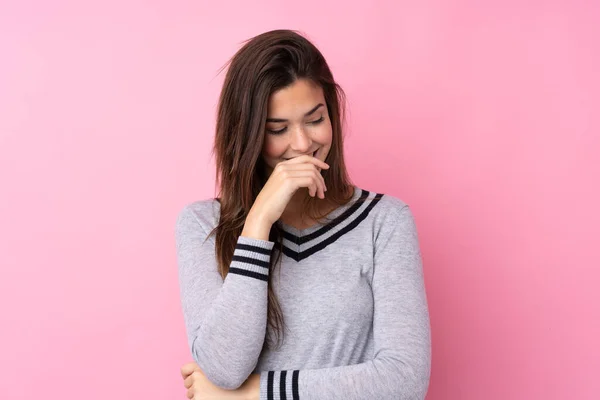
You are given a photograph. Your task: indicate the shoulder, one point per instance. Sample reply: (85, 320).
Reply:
(197, 215)
(388, 207)
(391, 213)
(391, 204)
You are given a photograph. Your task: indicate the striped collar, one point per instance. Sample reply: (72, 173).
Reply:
(299, 244)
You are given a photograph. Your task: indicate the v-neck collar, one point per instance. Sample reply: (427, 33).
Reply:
(328, 219)
(299, 244)
(337, 223)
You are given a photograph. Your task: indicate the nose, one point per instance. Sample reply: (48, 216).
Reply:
(300, 141)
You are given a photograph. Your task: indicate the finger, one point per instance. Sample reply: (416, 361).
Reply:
(309, 183)
(306, 158)
(188, 368)
(322, 185)
(319, 184)
(304, 178)
(298, 167)
(188, 382)
(319, 188)
(307, 167)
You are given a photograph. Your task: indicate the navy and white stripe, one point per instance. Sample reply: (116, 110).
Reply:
(281, 385)
(251, 258)
(299, 247)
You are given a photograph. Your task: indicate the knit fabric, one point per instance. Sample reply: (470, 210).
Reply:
(352, 294)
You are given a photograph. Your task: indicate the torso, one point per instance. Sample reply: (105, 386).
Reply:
(324, 289)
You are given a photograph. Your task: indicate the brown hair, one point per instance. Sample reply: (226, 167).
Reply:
(266, 63)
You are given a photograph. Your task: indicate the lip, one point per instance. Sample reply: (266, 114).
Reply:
(314, 154)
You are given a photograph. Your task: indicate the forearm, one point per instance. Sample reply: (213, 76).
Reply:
(231, 333)
(228, 343)
(225, 319)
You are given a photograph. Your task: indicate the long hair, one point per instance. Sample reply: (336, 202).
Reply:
(264, 64)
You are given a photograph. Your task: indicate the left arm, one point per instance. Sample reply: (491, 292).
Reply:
(401, 365)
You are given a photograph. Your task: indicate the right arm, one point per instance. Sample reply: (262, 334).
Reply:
(225, 319)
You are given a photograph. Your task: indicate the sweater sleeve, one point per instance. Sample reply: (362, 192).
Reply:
(225, 319)
(400, 368)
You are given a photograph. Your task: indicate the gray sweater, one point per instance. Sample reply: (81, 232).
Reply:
(351, 290)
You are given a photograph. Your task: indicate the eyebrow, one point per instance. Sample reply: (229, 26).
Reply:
(308, 114)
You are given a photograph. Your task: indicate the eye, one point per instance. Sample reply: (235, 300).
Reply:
(316, 122)
(277, 132)
(282, 130)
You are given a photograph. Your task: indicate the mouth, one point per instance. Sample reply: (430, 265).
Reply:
(314, 154)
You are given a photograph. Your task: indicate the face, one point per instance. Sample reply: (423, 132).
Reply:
(297, 124)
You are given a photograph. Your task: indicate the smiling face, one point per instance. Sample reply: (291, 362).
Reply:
(297, 123)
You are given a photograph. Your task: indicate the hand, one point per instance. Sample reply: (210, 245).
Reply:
(200, 388)
(198, 385)
(287, 177)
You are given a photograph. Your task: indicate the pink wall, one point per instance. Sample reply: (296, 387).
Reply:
(483, 115)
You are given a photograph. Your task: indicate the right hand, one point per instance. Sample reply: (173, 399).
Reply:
(287, 177)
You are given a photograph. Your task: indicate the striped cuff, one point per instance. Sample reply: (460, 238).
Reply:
(279, 385)
(251, 258)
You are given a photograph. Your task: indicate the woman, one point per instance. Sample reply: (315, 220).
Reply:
(290, 290)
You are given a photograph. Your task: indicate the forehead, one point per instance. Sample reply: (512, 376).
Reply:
(295, 100)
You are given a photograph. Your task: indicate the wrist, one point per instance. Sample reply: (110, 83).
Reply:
(252, 388)
(257, 227)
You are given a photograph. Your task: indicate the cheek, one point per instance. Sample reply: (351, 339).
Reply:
(325, 134)
(272, 148)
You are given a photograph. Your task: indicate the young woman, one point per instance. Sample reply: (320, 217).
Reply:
(296, 283)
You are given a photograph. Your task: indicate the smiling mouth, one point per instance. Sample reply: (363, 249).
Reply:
(313, 154)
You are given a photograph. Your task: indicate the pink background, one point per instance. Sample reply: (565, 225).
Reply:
(482, 115)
